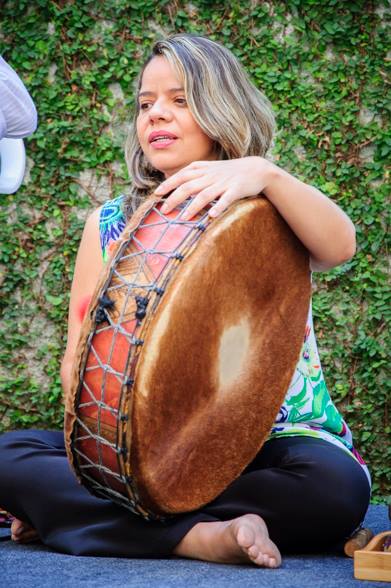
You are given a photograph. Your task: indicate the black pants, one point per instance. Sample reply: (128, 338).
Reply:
(310, 493)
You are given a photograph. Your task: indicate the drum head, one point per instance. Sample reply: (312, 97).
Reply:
(218, 358)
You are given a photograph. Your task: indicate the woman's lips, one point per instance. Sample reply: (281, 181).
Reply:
(162, 143)
(161, 139)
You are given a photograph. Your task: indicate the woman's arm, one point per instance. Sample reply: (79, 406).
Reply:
(89, 264)
(324, 229)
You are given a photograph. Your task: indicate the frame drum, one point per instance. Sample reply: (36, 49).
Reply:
(186, 353)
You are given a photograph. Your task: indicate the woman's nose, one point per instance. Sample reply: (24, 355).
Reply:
(159, 110)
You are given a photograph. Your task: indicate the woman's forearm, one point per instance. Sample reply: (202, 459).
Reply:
(324, 229)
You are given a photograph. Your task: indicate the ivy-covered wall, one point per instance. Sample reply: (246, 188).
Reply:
(322, 64)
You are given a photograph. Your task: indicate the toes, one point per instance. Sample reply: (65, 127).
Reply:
(250, 534)
(258, 557)
(17, 531)
(25, 537)
(17, 526)
(265, 560)
(261, 559)
(271, 562)
(253, 551)
(245, 536)
(22, 532)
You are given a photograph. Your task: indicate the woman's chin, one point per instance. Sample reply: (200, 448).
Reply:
(167, 170)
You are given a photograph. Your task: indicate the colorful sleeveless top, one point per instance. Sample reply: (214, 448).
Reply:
(307, 409)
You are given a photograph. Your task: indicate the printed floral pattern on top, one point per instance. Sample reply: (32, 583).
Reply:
(111, 224)
(307, 408)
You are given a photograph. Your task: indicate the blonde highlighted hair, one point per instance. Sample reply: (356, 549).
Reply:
(221, 98)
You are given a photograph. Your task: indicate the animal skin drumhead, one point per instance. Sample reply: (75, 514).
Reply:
(218, 358)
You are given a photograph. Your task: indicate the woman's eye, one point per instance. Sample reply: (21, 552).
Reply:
(145, 105)
(181, 101)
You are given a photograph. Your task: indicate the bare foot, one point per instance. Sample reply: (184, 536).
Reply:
(242, 540)
(22, 532)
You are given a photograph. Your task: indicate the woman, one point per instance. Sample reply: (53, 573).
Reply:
(202, 130)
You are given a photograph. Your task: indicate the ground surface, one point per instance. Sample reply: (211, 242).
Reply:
(34, 566)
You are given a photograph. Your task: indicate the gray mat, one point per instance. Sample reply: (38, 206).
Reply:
(36, 567)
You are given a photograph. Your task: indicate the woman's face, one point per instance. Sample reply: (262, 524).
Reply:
(168, 134)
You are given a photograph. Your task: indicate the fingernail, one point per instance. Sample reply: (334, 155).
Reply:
(164, 208)
(159, 190)
(213, 212)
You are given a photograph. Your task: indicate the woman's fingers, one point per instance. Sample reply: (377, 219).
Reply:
(209, 180)
(204, 191)
(202, 199)
(226, 199)
(184, 191)
(180, 195)
(186, 174)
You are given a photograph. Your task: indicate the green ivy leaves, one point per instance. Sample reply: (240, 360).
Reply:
(322, 64)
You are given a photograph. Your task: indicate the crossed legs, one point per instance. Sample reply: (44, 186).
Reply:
(298, 494)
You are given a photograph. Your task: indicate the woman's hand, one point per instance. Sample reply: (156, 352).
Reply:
(224, 181)
(322, 227)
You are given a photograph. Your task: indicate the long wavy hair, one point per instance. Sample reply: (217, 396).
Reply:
(220, 96)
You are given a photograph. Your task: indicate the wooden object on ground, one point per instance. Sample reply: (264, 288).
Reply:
(372, 562)
(359, 540)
